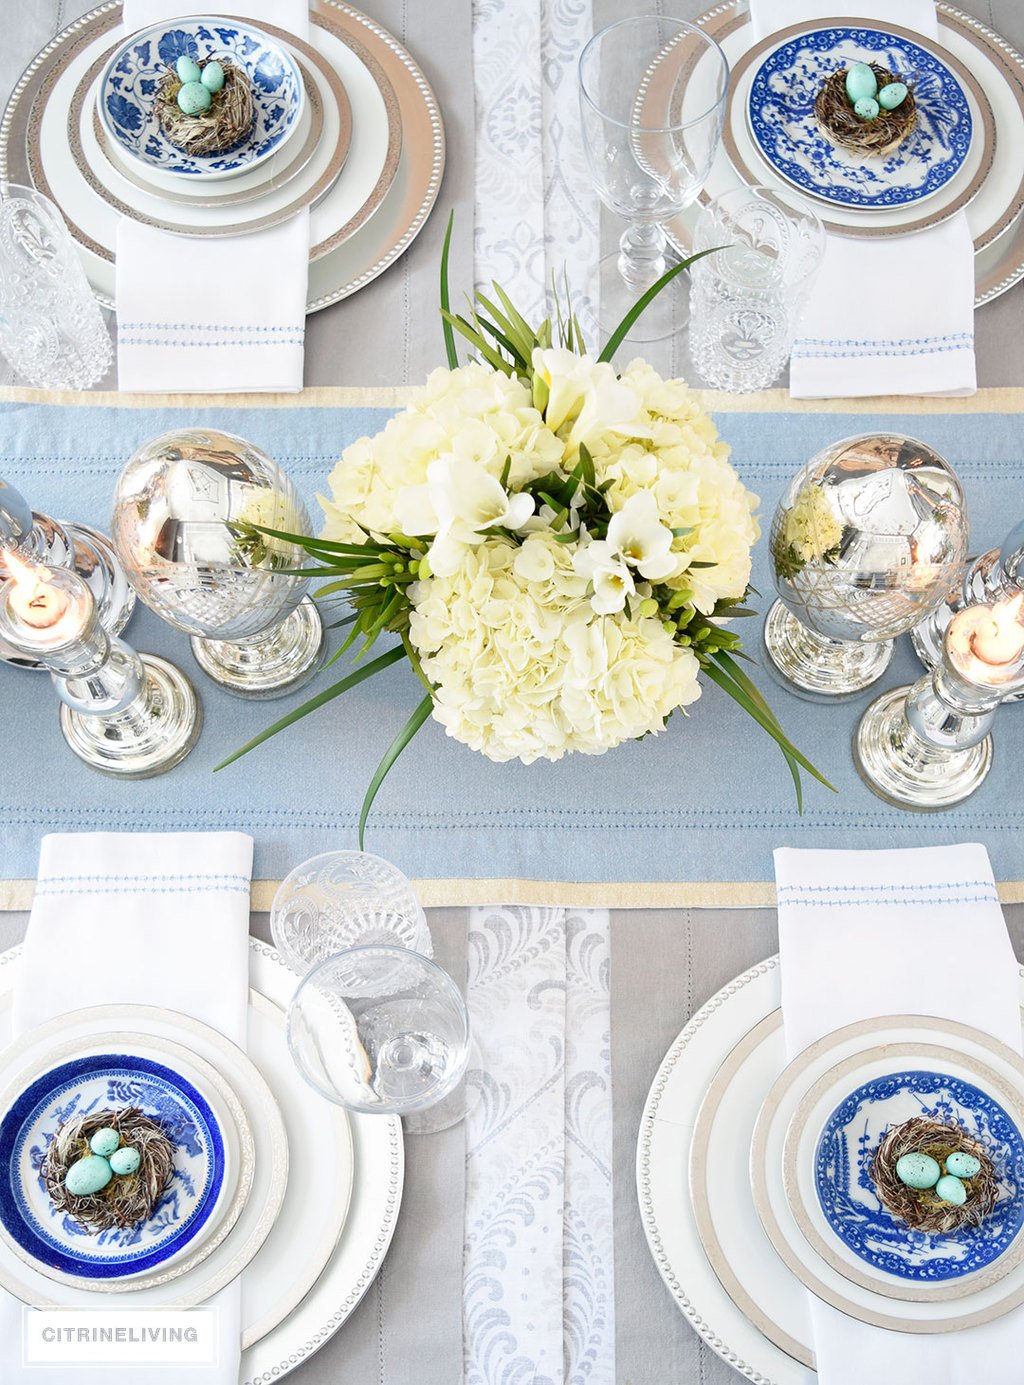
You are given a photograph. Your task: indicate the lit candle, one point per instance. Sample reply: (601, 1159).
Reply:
(1000, 638)
(986, 643)
(39, 603)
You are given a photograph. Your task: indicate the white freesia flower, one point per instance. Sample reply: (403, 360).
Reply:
(586, 398)
(638, 535)
(457, 504)
(601, 564)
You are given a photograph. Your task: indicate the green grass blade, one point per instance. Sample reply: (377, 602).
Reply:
(622, 331)
(449, 335)
(390, 756)
(320, 700)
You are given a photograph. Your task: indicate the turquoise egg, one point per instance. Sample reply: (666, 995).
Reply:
(893, 94)
(88, 1175)
(193, 98)
(950, 1189)
(860, 81)
(963, 1165)
(187, 69)
(213, 76)
(866, 107)
(105, 1141)
(918, 1170)
(125, 1160)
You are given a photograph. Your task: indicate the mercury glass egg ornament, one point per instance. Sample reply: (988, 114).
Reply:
(182, 507)
(869, 537)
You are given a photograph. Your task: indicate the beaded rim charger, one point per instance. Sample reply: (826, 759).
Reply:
(921, 1208)
(127, 1199)
(845, 128)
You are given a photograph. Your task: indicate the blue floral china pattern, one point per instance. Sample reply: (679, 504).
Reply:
(136, 71)
(846, 1193)
(100, 1082)
(780, 112)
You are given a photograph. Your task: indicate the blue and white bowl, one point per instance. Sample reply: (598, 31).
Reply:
(846, 1191)
(53, 1242)
(129, 85)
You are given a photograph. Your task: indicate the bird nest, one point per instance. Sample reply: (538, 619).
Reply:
(128, 1198)
(921, 1208)
(226, 124)
(872, 138)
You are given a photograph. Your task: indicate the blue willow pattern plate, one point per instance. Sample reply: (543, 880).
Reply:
(104, 1081)
(847, 1195)
(135, 73)
(780, 111)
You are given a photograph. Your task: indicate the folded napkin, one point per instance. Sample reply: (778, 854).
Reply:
(226, 315)
(839, 913)
(184, 897)
(921, 286)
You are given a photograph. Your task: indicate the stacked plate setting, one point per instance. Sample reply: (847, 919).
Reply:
(270, 1182)
(365, 150)
(779, 1199)
(961, 155)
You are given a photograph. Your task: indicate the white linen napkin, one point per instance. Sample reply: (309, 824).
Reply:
(228, 315)
(885, 316)
(185, 898)
(839, 913)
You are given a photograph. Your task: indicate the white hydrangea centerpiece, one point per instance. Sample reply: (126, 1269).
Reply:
(558, 546)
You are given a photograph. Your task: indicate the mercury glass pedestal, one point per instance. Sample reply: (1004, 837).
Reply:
(54, 543)
(928, 746)
(126, 714)
(188, 511)
(997, 573)
(869, 536)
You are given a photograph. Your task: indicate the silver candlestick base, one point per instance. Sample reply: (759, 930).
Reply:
(150, 736)
(819, 668)
(269, 665)
(903, 768)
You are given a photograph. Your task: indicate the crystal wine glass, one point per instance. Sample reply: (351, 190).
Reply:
(381, 1030)
(652, 100)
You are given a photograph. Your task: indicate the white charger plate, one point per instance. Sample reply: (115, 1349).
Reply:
(351, 258)
(995, 214)
(707, 1241)
(302, 1285)
(75, 1036)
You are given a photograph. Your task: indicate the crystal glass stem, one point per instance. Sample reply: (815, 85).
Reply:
(642, 254)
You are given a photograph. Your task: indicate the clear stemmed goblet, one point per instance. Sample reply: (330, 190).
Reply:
(652, 99)
(382, 1030)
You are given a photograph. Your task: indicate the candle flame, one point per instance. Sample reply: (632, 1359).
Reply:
(23, 574)
(1001, 640)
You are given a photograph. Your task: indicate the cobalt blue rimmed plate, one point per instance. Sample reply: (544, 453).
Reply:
(98, 1082)
(780, 114)
(128, 87)
(846, 1193)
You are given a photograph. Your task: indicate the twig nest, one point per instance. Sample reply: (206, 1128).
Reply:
(934, 1177)
(205, 108)
(868, 125)
(120, 1187)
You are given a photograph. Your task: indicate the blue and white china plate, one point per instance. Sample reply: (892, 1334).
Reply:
(99, 1081)
(128, 88)
(846, 1192)
(780, 114)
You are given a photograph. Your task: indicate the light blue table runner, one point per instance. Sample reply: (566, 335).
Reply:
(705, 801)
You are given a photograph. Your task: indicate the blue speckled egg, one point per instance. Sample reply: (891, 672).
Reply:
(104, 1142)
(88, 1175)
(193, 98)
(187, 69)
(213, 76)
(950, 1189)
(893, 94)
(860, 81)
(918, 1170)
(125, 1160)
(963, 1165)
(866, 107)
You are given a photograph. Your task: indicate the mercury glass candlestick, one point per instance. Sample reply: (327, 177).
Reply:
(997, 573)
(126, 714)
(183, 511)
(929, 746)
(55, 543)
(868, 538)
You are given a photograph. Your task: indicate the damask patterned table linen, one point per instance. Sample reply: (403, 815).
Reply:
(189, 892)
(913, 909)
